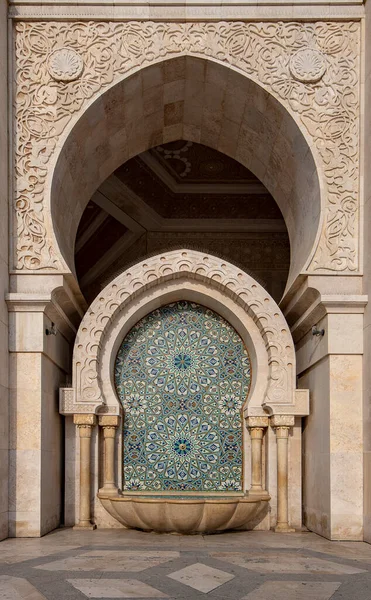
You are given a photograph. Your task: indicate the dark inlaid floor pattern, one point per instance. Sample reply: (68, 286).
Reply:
(74, 565)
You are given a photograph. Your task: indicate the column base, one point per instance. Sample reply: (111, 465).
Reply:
(111, 491)
(89, 527)
(284, 528)
(260, 493)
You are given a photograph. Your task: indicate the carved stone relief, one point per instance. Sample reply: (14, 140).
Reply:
(312, 68)
(65, 64)
(308, 65)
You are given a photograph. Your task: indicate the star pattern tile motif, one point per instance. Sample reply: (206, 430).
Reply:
(182, 374)
(201, 577)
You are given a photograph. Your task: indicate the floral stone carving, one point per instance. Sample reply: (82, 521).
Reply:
(308, 65)
(182, 374)
(65, 64)
(328, 110)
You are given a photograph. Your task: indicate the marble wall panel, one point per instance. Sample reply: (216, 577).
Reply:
(4, 399)
(367, 277)
(316, 452)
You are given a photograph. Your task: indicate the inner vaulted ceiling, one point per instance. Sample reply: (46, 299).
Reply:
(181, 194)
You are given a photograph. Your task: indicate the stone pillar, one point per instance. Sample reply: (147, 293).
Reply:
(282, 425)
(256, 426)
(85, 423)
(109, 425)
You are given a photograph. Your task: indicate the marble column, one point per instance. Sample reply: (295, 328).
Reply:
(85, 424)
(282, 425)
(257, 426)
(109, 424)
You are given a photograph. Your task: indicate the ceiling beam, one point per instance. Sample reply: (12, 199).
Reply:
(89, 232)
(112, 209)
(114, 194)
(254, 188)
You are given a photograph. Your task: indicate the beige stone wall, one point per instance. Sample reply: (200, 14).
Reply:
(367, 276)
(331, 368)
(38, 366)
(3, 275)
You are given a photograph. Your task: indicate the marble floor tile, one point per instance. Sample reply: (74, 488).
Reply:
(284, 562)
(110, 560)
(361, 552)
(201, 577)
(11, 556)
(294, 590)
(115, 588)
(17, 588)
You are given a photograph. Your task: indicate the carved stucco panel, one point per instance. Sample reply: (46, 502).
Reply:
(312, 68)
(242, 288)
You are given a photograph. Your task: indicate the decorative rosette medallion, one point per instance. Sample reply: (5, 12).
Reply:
(65, 64)
(308, 65)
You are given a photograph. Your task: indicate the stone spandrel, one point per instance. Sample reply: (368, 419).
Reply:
(311, 67)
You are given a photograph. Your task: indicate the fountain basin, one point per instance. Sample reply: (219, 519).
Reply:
(186, 514)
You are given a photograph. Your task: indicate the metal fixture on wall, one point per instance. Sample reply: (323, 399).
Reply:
(317, 332)
(52, 330)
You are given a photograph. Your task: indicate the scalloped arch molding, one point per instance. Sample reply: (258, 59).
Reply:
(124, 293)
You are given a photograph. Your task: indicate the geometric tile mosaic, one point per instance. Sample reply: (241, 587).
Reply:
(183, 375)
(201, 577)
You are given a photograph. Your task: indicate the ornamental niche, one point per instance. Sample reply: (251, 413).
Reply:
(312, 68)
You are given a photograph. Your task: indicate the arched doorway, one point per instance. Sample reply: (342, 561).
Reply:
(72, 135)
(200, 101)
(236, 302)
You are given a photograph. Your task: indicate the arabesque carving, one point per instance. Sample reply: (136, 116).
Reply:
(324, 99)
(191, 264)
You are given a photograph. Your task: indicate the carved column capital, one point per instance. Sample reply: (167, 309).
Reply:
(278, 421)
(282, 432)
(256, 433)
(85, 420)
(109, 421)
(257, 422)
(109, 431)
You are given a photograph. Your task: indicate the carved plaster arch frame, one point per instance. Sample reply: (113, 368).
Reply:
(136, 291)
(311, 68)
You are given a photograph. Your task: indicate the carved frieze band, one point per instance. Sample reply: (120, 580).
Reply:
(313, 68)
(191, 264)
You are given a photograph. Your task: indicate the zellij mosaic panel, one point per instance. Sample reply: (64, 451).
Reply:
(182, 374)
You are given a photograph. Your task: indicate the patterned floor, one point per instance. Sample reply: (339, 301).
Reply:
(70, 565)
